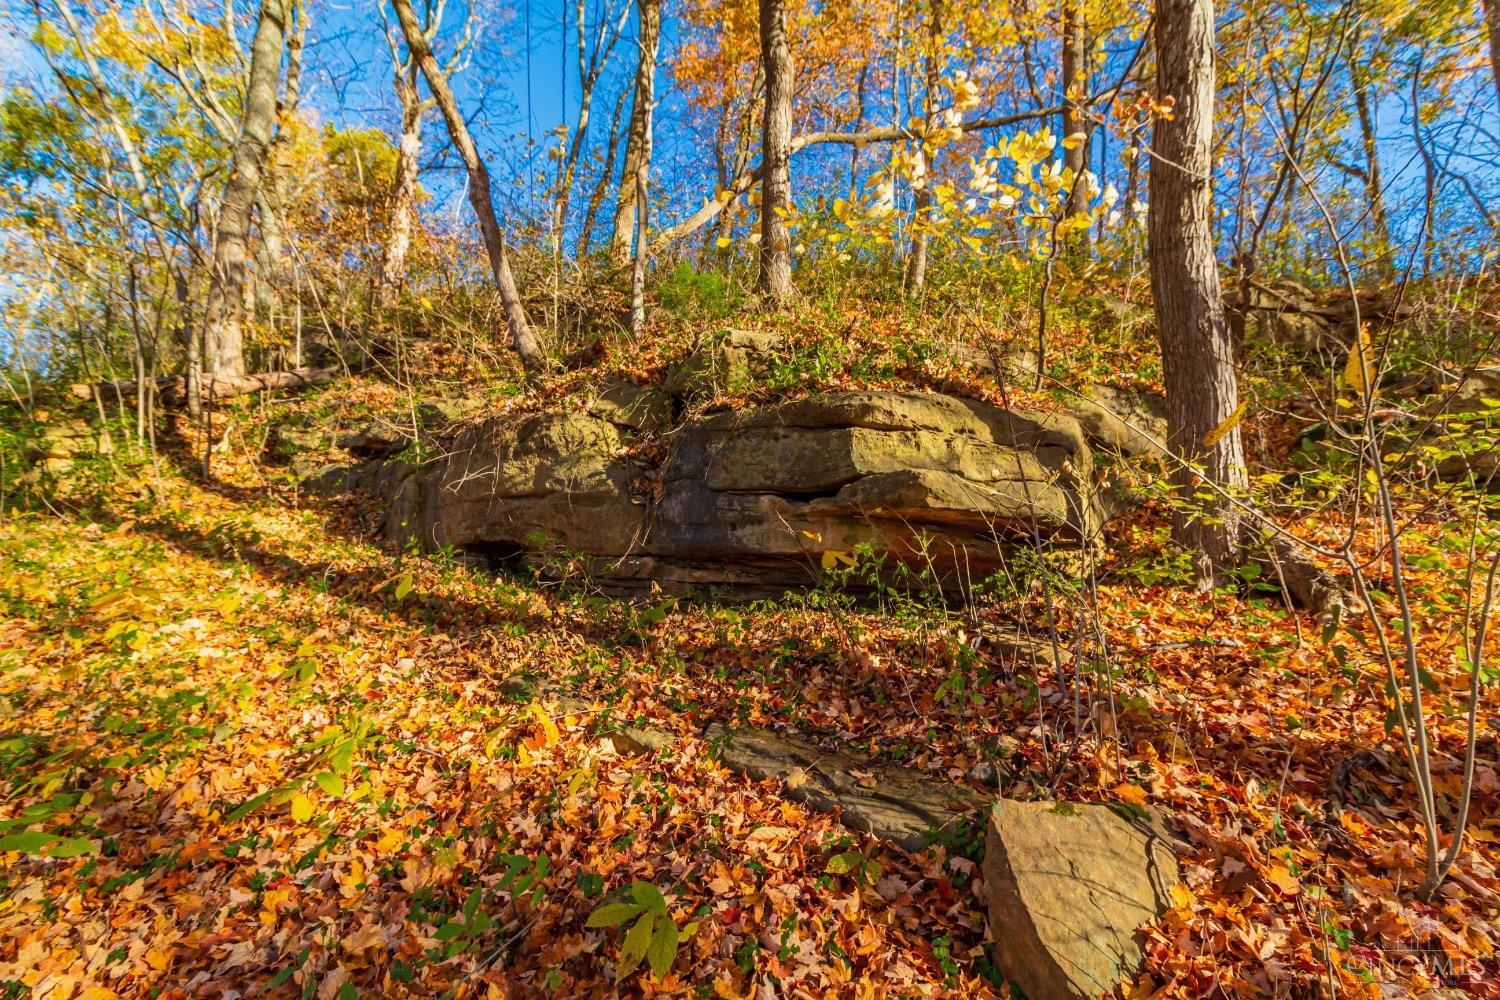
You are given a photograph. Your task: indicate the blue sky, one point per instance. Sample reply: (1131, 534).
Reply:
(521, 83)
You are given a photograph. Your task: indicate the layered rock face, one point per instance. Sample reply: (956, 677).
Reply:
(758, 497)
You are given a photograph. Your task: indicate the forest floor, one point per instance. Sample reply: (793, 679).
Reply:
(246, 749)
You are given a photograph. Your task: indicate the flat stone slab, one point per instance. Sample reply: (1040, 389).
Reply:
(1069, 886)
(896, 804)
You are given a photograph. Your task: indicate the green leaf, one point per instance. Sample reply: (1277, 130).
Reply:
(613, 914)
(648, 896)
(348, 992)
(637, 940)
(471, 905)
(662, 951)
(342, 757)
(72, 847)
(27, 841)
(330, 783)
(404, 587)
(843, 864)
(450, 930)
(287, 973)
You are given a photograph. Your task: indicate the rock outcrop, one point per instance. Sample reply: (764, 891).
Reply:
(1289, 315)
(1068, 887)
(1129, 422)
(755, 497)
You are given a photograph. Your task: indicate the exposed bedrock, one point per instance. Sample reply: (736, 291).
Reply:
(756, 496)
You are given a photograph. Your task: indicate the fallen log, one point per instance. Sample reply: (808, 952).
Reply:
(172, 389)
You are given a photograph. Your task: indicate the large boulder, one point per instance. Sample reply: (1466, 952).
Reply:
(512, 485)
(935, 482)
(764, 497)
(61, 444)
(734, 361)
(1286, 315)
(1069, 887)
(1479, 393)
(1131, 422)
(633, 407)
(378, 438)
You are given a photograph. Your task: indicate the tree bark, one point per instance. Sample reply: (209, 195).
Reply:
(1380, 225)
(404, 188)
(1074, 84)
(522, 338)
(1492, 20)
(1196, 349)
(591, 65)
(775, 278)
(916, 268)
(647, 96)
(192, 355)
(596, 197)
(224, 312)
(638, 142)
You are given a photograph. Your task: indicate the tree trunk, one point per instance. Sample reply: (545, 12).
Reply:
(638, 143)
(192, 383)
(916, 269)
(522, 338)
(404, 190)
(1380, 226)
(775, 279)
(1075, 84)
(590, 67)
(1492, 19)
(596, 197)
(224, 316)
(1197, 353)
(646, 95)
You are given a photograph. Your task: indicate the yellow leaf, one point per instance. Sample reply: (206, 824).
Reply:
(549, 728)
(1134, 794)
(723, 241)
(390, 840)
(832, 557)
(1182, 897)
(1359, 370)
(1075, 140)
(1282, 878)
(302, 808)
(1230, 422)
